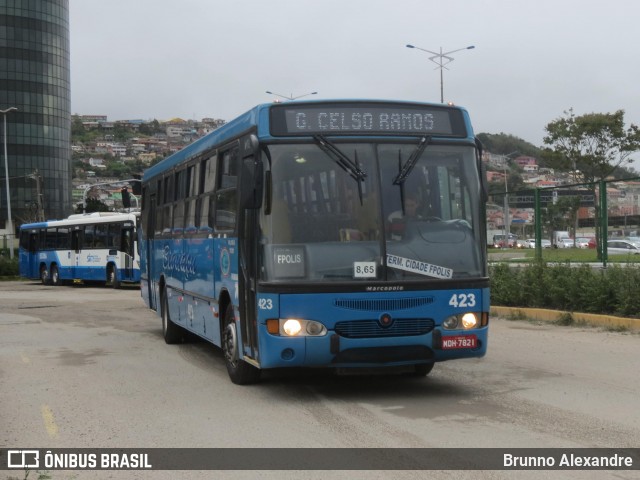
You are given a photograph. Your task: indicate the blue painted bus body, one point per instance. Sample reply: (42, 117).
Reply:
(376, 323)
(64, 250)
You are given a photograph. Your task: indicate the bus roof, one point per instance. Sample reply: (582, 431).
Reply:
(258, 115)
(84, 219)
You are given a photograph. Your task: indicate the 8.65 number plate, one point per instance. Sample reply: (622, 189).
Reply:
(459, 341)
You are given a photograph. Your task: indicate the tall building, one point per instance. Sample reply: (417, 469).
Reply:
(34, 79)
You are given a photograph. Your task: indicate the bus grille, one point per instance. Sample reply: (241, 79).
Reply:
(382, 304)
(401, 327)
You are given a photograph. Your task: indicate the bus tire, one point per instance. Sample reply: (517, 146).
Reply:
(422, 369)
(44, 275)
(113, 277)
(171, 332)
(240, 372)
(55, 276)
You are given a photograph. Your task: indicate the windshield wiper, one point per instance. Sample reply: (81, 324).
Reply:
(348, 165)
(411, 162)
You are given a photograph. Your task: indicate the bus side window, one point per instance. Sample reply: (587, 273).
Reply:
(63, 240)
(228, 169)
(89, 234)
(101, 235)
(225, 210)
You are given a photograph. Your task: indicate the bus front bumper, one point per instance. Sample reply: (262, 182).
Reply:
(332, 350)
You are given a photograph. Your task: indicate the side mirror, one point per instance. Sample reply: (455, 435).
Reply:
(251, 183)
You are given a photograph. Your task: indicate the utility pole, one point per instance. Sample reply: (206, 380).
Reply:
(39, 204)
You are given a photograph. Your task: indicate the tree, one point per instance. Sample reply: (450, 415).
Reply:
(93, 205)
(596, 144)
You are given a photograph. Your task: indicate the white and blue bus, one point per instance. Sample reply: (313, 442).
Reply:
(342, 234)
(93, 247)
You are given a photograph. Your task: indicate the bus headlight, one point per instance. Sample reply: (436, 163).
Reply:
(469, 320)
(295, 327)
(465, 321)
(291, 327)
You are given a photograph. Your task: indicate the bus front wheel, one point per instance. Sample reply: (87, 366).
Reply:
(171, 332)
(240, 372)
(422, 369)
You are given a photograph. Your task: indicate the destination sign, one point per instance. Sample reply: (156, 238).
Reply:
(349, 119)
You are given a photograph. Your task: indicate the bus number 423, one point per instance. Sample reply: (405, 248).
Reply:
(463, 300)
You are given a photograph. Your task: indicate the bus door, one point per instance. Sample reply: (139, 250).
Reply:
(126, 247)
(77, 238)
(248, 280)
(149, 236)
(29, 266)
(248, 255)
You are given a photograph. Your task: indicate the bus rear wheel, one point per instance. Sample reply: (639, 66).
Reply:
(44, 275)
(240, 372)
(113, 277)
(171, 332)
(55, 276)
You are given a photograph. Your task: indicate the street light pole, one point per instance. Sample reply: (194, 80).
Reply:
(291, 97)
(443, 59)
(6, 173)
(507, 229)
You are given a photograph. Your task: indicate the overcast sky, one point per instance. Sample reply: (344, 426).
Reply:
(145, 59)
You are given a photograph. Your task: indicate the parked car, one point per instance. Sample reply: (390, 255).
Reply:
(617, 247)
(544, 243)
(500, 242)
(564, 242)
(583, 242)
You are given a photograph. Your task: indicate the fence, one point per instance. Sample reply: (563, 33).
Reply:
(602, 211)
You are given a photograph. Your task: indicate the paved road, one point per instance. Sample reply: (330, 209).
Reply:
(87, 367)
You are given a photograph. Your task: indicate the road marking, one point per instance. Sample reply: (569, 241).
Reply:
(49, 422)
(25, 359)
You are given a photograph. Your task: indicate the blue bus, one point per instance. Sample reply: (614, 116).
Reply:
(94, 247)
(338, 234)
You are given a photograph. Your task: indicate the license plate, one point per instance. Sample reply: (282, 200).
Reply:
(459, 341)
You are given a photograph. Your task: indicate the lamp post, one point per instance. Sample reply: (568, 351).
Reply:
(6, 173)
(507, 230)
(291, 97)
(441, 59)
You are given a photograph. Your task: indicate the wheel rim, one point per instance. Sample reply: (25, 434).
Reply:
(54, 275)
(230, 350)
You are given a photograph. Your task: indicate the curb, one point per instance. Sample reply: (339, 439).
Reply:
(544, 315)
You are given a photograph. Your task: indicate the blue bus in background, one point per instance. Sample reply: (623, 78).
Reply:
(92, 247)
(335, 234)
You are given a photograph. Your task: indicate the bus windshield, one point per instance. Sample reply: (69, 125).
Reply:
(410, 212)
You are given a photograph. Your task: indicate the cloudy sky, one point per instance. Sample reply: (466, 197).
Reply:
(211, 58)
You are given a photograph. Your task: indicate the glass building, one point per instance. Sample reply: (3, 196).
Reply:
(34, 79)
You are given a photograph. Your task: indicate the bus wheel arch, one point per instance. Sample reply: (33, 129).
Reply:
(240, 372)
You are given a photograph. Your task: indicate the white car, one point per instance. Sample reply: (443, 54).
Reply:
(617, 247)
(544, 243)
(565, 242)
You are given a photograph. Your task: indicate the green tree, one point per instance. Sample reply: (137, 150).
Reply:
(596, 144)
(93, 205)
